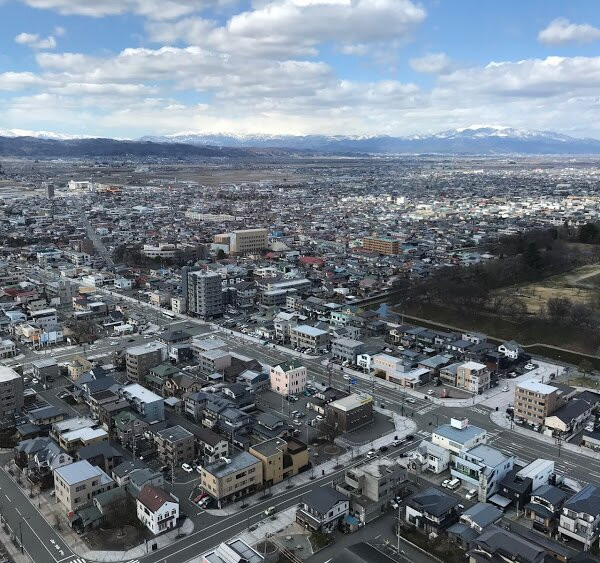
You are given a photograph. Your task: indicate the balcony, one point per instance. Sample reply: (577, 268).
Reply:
(308, 519)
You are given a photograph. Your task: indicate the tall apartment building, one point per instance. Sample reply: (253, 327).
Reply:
(534, 401)
(248, 241)
(11, 391)
(473, 376)
(204, 294)
(139, 360)
(382, 245)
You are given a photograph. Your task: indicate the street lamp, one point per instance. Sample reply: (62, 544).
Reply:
(23, 518)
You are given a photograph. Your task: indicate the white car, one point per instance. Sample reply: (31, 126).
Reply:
(506, 388)
(445, 482)
(114, 343)
(187, 467)
(430, 392)
(34, 381)
(471, 494)
(394, 504)
(410, 400)
(320, 417)
(346, 377)
(371, 453)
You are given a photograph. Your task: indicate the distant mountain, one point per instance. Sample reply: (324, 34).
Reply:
(474, 140)
(488, 140)
(32, 147)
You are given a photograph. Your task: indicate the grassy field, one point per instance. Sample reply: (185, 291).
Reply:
(580, 286)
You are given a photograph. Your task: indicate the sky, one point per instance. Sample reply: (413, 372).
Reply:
(129, 68)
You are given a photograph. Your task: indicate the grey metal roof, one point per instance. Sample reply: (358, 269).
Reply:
(586, 501)
(434, 501)
(323, 498)
(483, 514)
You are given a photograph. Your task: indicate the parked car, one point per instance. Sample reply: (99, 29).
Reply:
(471, 494)
(346, 377)
(320, 417)
(409, 438)
(383, 449)
(371, 453)
(410, 400)
(396, 443)
(394, 504)
(506, 388)
(445, 482)
(430, 392)
(186, 467)
(529, 366)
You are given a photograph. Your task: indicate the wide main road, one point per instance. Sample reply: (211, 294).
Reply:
(40, 540)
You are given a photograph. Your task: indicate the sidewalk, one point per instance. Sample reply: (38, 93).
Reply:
(499, 418)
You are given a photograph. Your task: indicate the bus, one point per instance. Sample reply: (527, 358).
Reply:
(169, 314)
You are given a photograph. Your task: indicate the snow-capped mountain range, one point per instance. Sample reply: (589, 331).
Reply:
(475, 139)
(472, 140)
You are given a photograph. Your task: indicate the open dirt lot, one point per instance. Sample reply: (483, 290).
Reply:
(581, 285)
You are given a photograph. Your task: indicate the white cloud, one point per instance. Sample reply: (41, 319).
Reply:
(14, 81)
(154, 9)
(561, 30)
(431, 63)
(34, 41)
(296, 27)
(59, 31)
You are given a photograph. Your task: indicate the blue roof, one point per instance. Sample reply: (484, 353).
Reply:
(458, 435)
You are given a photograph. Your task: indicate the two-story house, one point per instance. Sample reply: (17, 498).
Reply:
(322, 509)
(580, 516)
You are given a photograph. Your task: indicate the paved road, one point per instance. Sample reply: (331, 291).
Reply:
(40, 540)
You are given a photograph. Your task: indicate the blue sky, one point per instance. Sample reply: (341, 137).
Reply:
(127, 68)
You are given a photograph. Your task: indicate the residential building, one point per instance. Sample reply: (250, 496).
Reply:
(7, 348)
(175, 446)
(432, 457)
(431, 510)
(382, 245)
(544, 508)
(77, 484)
(483, 467)
(534, 401)
(346, 349)
(204, 294)
(351, 412)
(213, 361)
(129, 427)
(148, 405)
(458, 436)
(371, 485)
(210, 445)
(233, 551)
(569, 418)
(248, 241)
(231, 478)
(11, 391)
(288, 378)
(306, 336)
(580, 517)
(472, 523)
(510, 350)
(280, 458)
(473, 377)
(157, 509)
(322, 509)
(45, 368)
(141, 359)
(498, 544)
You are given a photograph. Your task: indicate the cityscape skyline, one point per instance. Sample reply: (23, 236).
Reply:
(392, 67)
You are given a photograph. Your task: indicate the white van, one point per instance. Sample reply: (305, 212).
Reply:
(453, 484)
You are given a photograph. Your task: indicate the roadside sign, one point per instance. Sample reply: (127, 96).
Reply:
(353, 381)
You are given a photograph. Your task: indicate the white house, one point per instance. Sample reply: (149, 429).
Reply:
(510, 349)
(157, 509)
